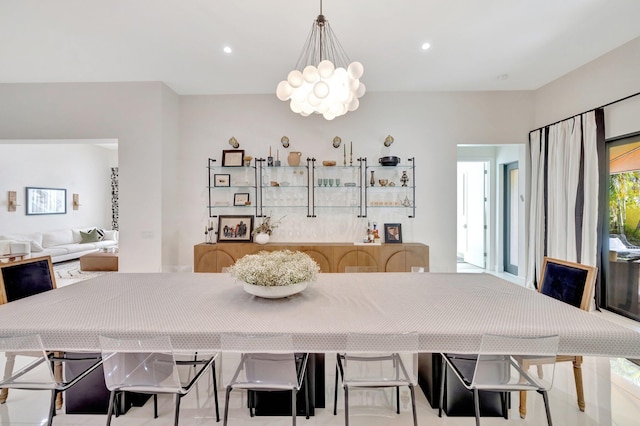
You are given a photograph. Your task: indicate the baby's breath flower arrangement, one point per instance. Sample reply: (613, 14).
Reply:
(275, 268)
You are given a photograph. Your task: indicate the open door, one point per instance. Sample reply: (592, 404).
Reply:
(472, 202)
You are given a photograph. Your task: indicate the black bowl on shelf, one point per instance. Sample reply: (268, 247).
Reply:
(389, 160)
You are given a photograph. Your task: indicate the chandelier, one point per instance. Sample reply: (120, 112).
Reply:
(324, 80)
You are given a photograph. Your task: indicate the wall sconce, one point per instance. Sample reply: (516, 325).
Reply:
(76, 202)
(13, 201)
(285, 141)
(336, 142)
(388, 141)
(234, 142)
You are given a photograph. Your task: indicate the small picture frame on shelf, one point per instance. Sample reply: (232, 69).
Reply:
(233, 158)
(393, 233)
(241, 199)
(221, 180)
(235, 228)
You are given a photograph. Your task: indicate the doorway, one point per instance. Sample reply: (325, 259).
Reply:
(510, 235)
(472, 214)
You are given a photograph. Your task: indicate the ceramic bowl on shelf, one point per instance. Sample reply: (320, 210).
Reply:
(328, 163)
(390, 160)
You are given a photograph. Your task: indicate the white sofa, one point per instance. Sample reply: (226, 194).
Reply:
(61, 245)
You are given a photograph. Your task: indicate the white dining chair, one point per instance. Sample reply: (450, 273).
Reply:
(152, 366)
(365, 366)
(267, 363)
(500, 367)
(36, 367)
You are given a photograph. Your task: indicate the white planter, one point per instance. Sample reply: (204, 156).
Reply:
(261, 238)
(274, 292)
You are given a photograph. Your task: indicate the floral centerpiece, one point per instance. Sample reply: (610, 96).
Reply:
(275, 274)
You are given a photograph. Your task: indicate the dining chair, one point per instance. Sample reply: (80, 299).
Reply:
(498, 367)
(363, 366)
(267, 363)
(36, 368)
(572, 283)
(18, 280)
(152, 366)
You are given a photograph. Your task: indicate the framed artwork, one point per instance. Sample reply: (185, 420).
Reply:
(233, 157)
(46, 201)
(221, 180)
(235, 228)
(241, 199)
(392, 233)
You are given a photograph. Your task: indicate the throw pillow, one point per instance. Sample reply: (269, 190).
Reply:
(89, 237)
(100, 234)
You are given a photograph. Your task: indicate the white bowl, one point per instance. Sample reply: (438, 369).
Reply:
(274, 292)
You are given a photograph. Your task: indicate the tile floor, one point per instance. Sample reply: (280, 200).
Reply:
(610, 399)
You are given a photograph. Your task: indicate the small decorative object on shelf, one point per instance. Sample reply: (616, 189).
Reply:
(372, 182)
(294, 158)
(275, 274)
(404, 179)
(406, 202)
(247, 160)
(263, 231)
(208, 233)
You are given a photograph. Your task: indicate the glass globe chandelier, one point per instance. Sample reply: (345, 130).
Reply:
(322, 82)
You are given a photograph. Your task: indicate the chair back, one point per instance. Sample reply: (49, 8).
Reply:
(500, 360)
(34, 369)
(26, 278)
(385, 349)
(569, 282)
(265, 359)
(140, 364)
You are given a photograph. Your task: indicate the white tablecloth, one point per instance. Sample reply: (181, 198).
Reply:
(450, 312)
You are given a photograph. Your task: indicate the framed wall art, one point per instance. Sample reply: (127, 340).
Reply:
(221, 180)
(233, 158)
(46, 201)
(392, 233)
(235, 228)
(241, 199)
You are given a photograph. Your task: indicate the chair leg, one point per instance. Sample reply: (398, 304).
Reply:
(294, 407)
(335, 394)
(215, 390)
(112, 399)
(8, 371)
(546, 406)
(443, 374)
(57, 372)
(52, 407)
(306, 393)
(413, 405)
(155, 405)
(523, 404)
(577, 375)
(476, 405)
(226, 406)
(397, 399)
(177, 415)
(346, 406)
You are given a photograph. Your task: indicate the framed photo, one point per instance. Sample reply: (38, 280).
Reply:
(392, 233)
(221, 180)
(241, 199)
(233, 157)
(46, 201)
(235, 228)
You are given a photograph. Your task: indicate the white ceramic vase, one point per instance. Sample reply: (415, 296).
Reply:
(261, 238)
(276, 291)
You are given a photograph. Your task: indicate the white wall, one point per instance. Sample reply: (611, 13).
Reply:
(427, 126)
(611, 77)
(132, 113)
(79, 168)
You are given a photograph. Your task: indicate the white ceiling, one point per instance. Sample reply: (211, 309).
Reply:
(180, 42)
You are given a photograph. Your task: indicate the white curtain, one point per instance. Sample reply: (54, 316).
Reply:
(563, 207)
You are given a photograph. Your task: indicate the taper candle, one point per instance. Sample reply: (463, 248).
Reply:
(351, 148)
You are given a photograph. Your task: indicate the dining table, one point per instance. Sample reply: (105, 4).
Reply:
(449, 311)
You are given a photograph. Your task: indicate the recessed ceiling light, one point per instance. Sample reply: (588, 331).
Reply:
(425, 46)
(227, 49)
